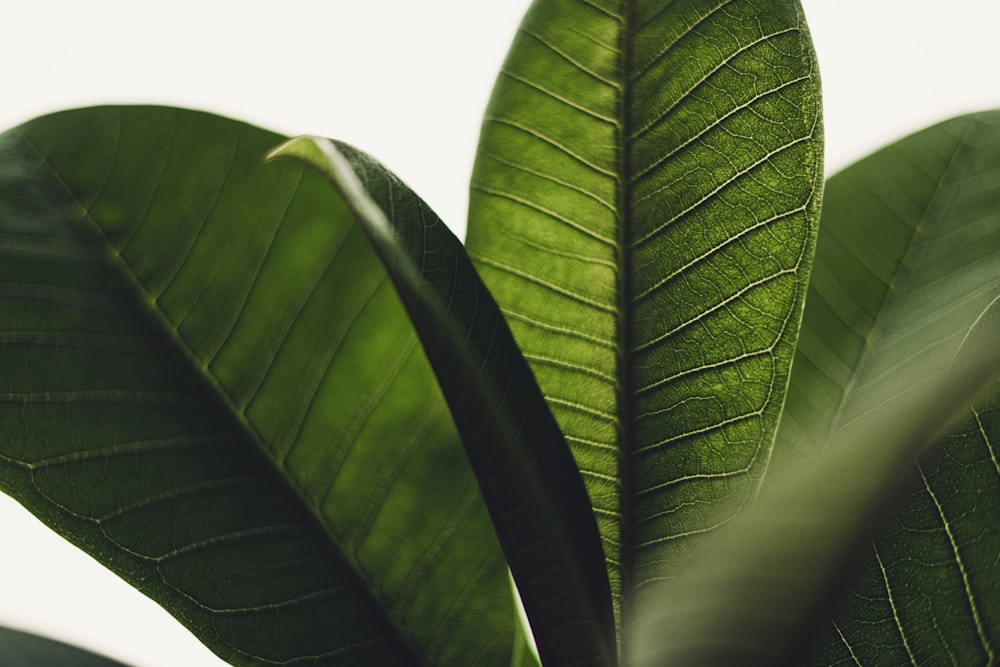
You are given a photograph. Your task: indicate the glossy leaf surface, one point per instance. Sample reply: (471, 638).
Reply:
(907, 261)
(643, 207)
(210, 385)
(525, 470)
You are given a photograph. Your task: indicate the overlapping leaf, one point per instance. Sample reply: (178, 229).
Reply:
(209, 384)
(762, 591)
(906, 264)
(527, 475)
(643, 207)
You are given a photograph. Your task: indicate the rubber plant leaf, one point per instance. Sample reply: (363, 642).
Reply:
(208, 383)
(525, 469)
(907, 258)
(644, 207)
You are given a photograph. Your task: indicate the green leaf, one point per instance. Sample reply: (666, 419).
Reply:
(643, 207)
(526, 472)
(209, 384)
(762, 592)
(906, 263)
(27, 650)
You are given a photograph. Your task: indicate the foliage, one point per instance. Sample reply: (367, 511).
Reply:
(20, 648)
(318, 429)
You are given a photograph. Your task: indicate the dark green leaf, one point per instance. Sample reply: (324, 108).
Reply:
(526, 472)
(907, 259)
(643, 208)
(209, 384)
(21, 649)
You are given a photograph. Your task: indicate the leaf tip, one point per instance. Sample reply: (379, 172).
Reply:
(307, 148)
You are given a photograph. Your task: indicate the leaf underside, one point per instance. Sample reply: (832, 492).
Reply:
(643, 208)
(526, 472)
(209, 384)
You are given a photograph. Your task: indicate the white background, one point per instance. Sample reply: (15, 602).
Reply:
(407, 81)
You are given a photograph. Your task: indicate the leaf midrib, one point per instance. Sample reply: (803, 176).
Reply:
(623, 186)
(80, 218)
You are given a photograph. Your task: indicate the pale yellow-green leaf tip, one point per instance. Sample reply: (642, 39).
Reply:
(306, 148)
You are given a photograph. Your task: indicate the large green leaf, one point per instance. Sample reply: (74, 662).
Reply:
(907, 261)
(209, 384)
(526, 472)
(643, 207)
